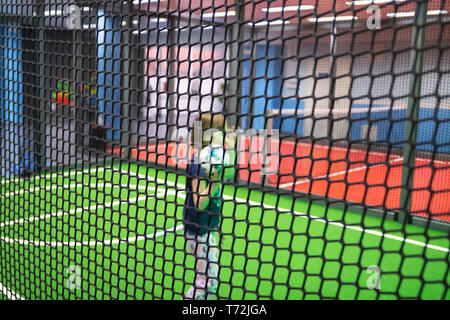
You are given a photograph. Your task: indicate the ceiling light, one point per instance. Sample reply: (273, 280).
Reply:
(288, 8)
(367, 2)
(219, 14)
(135, 22)
(176, 29)
(90, 26)
(412, 14)
(140, 31)
(137, 2)
(158, 20)
(48, 13)
(331, 19)
(267, 23)
(59, 12)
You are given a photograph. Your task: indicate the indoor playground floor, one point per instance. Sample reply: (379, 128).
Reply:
(122, 226)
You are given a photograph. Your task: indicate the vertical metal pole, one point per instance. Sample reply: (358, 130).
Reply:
(237, 52)
(412, 114)
(170, 103)
(125, 83)
(3, 22)
(77, 81)
(42, 115)
(252, 67)
(333, 52)
(233, 111)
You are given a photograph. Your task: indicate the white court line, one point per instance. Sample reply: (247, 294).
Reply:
(309, 217)
(244, 201)
(65, 186)
(377, 233)
(9, 294)
(52, 175)
(306, 180)
(300, 214)
(350, 150)
(122, 185)
(71, 186)
(364, 152)
(92, 242)
(304, 215)
(152, 179)
(74, 211)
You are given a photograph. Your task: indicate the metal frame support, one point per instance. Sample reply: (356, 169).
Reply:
(170, 102)
(412, 113)
(333, 53)
(41, 38)
(126, 83)
(236, 57)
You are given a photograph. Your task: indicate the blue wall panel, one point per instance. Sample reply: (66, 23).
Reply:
(245, 87)
(287, 122)
(433, 131)
(2, 45)
(267, 84)
(11, 105)
(109, 40)
(12, 86)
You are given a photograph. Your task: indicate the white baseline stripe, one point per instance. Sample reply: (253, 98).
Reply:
(306, 180)
(9, 294)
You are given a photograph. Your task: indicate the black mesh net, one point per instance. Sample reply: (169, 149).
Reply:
(225, 149)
